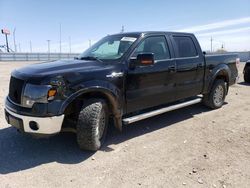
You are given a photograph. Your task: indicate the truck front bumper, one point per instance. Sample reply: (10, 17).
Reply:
(35, 125)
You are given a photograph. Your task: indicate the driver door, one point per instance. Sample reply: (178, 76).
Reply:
(149, 86)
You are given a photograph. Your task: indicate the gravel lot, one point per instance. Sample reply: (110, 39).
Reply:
(190, 147)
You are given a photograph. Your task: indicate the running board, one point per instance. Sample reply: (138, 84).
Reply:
(160, 111)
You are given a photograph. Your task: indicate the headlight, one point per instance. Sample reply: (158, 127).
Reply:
(37, 93)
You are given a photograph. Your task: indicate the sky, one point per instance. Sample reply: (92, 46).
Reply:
(86, 21)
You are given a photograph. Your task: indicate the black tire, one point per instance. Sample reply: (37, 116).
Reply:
(247, 74)
(92, 124)
(216, 97)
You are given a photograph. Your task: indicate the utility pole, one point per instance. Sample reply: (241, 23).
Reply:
(30, 47)
(223, 45)
(19, 47)
(89, 42)
(14, 38)
(7, 43)
(211, 44)
(69, 44)
(48, 46)
(122, 30)
(60, 38)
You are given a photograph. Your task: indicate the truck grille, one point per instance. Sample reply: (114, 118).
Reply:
(15, 89)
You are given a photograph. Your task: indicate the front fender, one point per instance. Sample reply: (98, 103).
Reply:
(112, 93)
(108, 89)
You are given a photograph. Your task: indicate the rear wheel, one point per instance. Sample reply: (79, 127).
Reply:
(216, 97)
(247, 74)
(92, 124)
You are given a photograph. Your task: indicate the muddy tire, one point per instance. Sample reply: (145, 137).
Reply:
(92, 124)
(216, 97)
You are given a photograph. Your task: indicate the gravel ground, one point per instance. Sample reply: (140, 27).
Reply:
(190, 147)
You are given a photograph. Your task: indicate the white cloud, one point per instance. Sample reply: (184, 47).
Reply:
(232, 34)
(223, 32)
(231, 42)
(216, 25)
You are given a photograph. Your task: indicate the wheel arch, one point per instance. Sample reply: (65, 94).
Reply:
(222, 72)
(112, 99)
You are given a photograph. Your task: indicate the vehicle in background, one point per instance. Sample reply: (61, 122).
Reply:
(246, 72)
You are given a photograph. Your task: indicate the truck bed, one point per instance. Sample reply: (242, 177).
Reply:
(229, 59)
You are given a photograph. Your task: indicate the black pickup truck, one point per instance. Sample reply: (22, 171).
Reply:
(246, 72)
(124, 77)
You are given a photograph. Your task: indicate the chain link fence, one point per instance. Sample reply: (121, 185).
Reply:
(36, 56)
(244, 56)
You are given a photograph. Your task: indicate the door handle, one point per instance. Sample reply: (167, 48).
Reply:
(171, 68)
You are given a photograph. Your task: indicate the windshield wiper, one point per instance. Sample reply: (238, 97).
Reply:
(90, 58)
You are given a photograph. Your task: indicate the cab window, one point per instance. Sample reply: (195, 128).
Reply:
(156, 45)
(185, 46)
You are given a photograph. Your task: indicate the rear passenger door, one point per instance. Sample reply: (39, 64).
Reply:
(189, 66)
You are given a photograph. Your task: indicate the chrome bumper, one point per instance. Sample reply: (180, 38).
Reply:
(38, 125)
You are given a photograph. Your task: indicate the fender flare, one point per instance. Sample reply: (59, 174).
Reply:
(112, 95)
(221, 70)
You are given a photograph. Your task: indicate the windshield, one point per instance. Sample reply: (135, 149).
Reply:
(109, 48)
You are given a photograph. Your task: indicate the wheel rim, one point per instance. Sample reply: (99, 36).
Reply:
(102, 124)
(218, 95)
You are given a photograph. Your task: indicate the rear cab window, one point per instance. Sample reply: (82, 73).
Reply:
(185, 47)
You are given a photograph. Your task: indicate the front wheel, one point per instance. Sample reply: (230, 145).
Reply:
(216, 97)
(92, 124)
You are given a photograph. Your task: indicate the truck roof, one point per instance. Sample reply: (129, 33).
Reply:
(152, 32)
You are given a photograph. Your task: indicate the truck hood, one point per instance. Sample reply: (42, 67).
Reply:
(62, 66)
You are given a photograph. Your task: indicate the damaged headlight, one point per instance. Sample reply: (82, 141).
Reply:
(37, 94)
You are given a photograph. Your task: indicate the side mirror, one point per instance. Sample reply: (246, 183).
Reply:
(143, 59)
